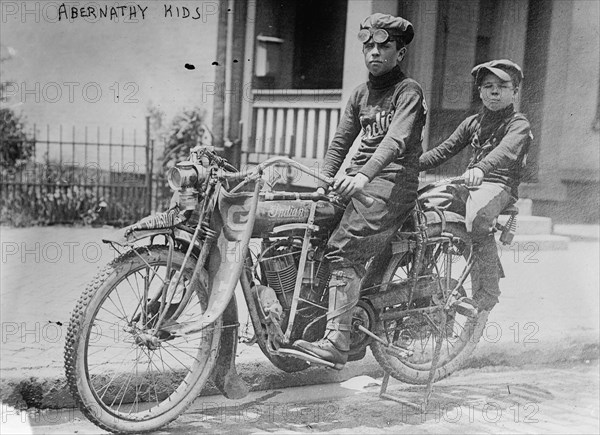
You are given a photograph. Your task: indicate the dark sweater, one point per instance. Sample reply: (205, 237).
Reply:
(390, 111)
(499, 143)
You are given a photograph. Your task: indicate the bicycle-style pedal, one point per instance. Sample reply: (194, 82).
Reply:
(398, 352)
(312, 359)
(466, 307)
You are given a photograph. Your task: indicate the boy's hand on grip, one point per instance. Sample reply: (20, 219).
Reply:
(473, 177)
(350, 185)
(353, 186)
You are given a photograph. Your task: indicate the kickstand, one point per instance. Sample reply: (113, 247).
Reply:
(434, 362)
(436, 359)
(383, 394)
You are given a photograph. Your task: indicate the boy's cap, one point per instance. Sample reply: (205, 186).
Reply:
(504, 69)
(395, 26)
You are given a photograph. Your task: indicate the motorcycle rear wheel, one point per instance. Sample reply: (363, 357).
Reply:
(416, 331)
(120, 382)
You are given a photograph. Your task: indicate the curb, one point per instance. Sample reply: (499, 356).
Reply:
(47, 388)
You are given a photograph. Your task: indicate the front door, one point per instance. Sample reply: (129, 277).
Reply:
(297, 79)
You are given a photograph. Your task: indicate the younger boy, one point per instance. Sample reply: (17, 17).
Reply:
(499, 138)
(390, 111)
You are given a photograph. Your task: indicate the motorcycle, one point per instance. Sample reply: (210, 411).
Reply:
(161, 320)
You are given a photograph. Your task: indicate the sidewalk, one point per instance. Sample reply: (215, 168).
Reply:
(549, 312)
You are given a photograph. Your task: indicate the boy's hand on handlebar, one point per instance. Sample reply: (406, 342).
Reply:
(350, 185)
(473, 177)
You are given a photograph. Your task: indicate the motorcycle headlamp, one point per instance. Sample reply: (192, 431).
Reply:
(182, 176)
(379, 35)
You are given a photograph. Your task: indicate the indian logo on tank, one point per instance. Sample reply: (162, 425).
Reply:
(287, 211)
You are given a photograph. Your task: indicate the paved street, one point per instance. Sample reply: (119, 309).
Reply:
(536, 400)
(549, 312)
(547, 295)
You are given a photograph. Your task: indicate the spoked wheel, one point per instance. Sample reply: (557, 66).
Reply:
(420, 330)
(124, 375)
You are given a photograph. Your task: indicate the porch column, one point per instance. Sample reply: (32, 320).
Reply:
(355, 71)
(549, 186)
(419, 61)
(510, 32)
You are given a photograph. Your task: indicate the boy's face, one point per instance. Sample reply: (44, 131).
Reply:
(495, 93)
(382, 58)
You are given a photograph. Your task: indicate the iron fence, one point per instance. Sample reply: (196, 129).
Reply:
(94, 177)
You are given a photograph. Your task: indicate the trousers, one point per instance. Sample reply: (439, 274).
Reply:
(483, 205)
(364, 231)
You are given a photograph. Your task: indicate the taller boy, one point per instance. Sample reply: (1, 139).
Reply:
(390, 111)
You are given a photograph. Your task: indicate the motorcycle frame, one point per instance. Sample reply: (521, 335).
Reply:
(221, 301)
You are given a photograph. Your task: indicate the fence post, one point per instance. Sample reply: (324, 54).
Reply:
(149, 153)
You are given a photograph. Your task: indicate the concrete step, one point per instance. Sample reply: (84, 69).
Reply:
(530, 224)
(525, 206)
(536, 242)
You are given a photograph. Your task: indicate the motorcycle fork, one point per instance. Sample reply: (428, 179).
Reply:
(199, 276)
(298, 285)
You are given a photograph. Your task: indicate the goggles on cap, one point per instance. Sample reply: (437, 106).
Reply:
(379, 35)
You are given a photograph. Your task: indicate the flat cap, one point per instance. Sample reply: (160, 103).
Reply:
(396, 26)
(504, 69)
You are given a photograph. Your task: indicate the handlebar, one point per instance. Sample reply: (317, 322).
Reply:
(450, 180)
(256, 172)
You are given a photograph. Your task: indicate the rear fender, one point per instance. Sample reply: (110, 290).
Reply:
(435, 218)
(379, 264)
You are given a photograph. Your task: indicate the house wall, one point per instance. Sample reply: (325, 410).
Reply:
(146, 58)
(568, 162)
(563, 97)
(565, 79)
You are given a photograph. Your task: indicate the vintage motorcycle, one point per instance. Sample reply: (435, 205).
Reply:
(161, 320)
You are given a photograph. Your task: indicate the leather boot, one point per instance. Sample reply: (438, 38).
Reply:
(486, 274)
(344, 291)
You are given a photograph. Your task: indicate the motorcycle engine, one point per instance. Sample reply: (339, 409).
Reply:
(279, 266)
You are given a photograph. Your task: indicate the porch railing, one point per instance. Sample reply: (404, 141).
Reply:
(295, 123)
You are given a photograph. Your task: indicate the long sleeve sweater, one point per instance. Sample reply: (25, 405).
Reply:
(390, 111)
(499, 141)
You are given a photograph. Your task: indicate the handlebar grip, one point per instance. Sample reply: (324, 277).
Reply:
(364, 199)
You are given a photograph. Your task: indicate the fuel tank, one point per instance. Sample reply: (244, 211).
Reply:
(271, 214)
(234, 210)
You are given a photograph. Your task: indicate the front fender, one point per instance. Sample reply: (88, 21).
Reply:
(224, 269)
(225, 375)
(118, 236)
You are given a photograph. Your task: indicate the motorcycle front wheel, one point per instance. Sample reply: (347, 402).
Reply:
(419, 330)
(124, 379)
